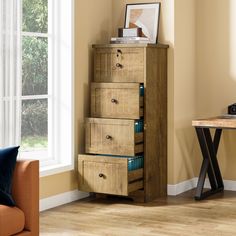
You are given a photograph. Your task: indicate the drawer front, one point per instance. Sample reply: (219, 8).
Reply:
(107, 175)
(112, 136)
(119, 65)
(116, 100)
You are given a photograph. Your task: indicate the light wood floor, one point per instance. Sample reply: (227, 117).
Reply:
(121, 217)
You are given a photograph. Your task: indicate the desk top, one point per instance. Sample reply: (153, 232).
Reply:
(225, 121)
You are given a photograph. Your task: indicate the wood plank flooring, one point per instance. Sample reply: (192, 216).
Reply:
(180, 215)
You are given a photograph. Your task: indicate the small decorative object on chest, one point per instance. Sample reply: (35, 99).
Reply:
(232, 109)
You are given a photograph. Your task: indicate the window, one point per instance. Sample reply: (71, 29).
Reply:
(36, 96)
(47, 102)
(36, 93)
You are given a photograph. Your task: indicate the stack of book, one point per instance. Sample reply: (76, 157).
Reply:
(130, 40)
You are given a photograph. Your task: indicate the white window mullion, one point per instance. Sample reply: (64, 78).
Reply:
(63, 73)
(35, 97)
(51, 116)
(56, 74)
(35, 34)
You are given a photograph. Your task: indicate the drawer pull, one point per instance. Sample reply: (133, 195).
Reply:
(113, 100)
(108, 137)
(118, 65)
(119, 51)
(101, 175)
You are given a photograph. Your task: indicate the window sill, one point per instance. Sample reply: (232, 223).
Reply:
(55, 169)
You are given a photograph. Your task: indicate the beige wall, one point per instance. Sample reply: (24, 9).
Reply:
(93, 20)
(204, 81)
(216, 70)
(184, 104)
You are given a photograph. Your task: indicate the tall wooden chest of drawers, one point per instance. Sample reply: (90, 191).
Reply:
(129, 87)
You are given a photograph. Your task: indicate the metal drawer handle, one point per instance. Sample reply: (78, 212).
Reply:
(113, 100)
(119, 51)
(101, 175)
(109, 137)
(118, 65)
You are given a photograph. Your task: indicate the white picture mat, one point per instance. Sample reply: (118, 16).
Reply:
(151, 33)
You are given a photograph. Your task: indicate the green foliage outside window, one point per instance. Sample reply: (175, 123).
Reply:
(35, 16)
(34, 117)
(34, 74)
(34, 65)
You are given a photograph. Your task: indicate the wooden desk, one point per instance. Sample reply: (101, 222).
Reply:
(209, 147)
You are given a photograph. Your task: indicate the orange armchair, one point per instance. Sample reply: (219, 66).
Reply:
(23, 219)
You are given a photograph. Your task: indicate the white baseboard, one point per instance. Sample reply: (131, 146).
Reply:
(229, 185)
(173, 190)
(184, 186)
(61, 199)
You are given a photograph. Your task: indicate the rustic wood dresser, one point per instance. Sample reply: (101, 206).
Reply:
(129, 88)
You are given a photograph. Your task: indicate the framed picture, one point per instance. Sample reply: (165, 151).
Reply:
(145, 16)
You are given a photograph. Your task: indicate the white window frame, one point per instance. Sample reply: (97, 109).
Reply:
(60, 95)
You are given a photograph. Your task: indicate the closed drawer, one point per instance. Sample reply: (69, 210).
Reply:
(116, 100)
(102, 174)
(112, 136)
(119, 65)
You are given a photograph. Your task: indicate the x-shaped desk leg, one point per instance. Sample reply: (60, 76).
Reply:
(210, 164)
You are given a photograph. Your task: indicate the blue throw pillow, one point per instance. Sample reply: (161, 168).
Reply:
(7, 166)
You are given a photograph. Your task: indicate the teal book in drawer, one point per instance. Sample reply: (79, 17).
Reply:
(138, 126)
(134, 163)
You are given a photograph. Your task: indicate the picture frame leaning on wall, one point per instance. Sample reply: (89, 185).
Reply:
(145, 16)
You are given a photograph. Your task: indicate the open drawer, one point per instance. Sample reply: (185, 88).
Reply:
(113, 136)
(104, 174)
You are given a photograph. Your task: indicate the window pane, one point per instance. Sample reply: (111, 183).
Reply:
(34, 65)
(35, 16)
(34, 124)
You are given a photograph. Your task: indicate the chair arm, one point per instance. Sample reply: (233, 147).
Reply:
(25, 191)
